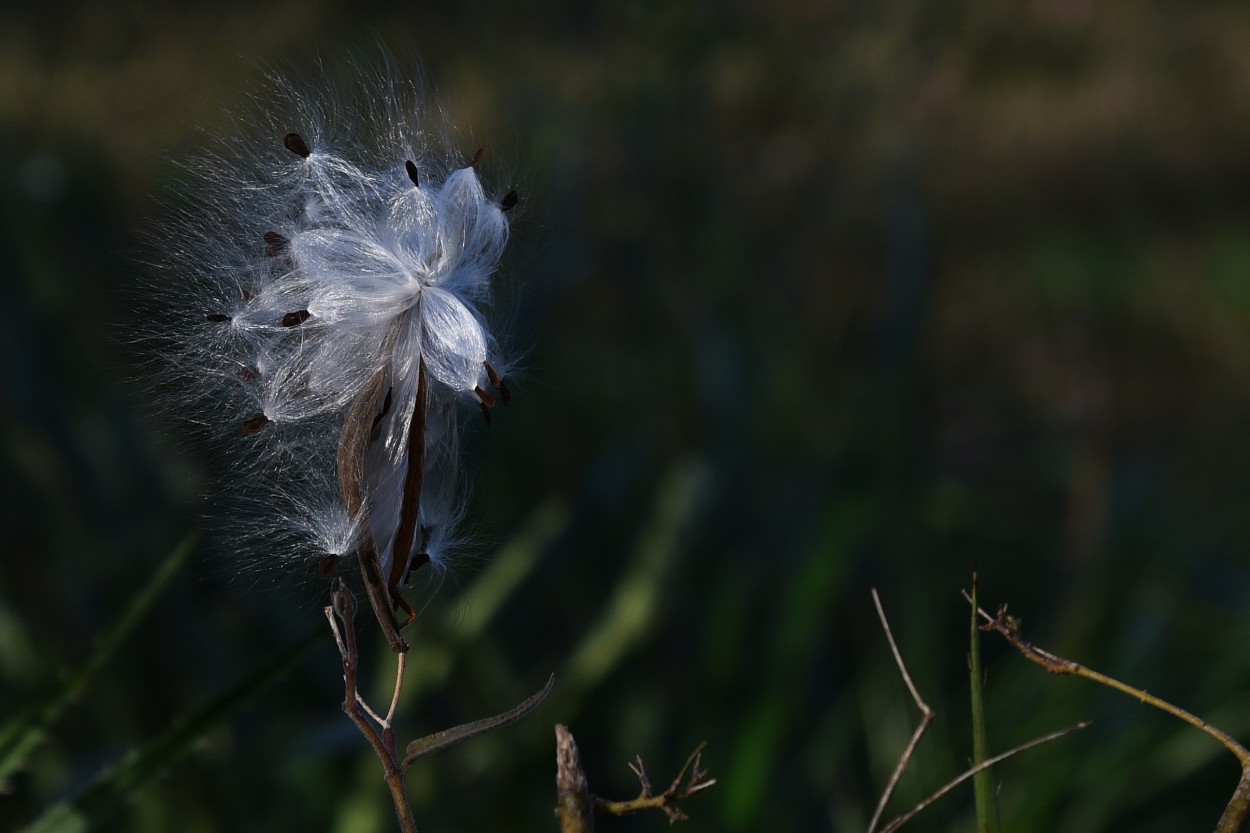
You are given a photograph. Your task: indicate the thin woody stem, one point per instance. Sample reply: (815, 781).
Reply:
(667, 800)
(341, 614)
(399, 685)
(576, 807)
(979, 768)
(1238, 809)
(926, 718)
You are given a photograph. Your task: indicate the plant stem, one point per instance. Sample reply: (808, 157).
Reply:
(341, 614)
(1238, 809)
(983, 781)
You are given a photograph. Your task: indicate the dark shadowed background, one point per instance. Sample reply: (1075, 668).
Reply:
(811, 297)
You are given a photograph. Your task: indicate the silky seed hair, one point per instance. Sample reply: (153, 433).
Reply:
(323, 318)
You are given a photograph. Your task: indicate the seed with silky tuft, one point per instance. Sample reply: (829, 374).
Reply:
(296, 144)
(275, 244)
(253, 426)
(294, 319)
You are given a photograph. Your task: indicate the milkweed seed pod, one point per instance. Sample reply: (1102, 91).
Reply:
(330, 275)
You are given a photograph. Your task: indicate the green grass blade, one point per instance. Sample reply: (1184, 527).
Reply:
(631, 612)
(21, 736)
(141, 766)
(509, 568)
(982, 782)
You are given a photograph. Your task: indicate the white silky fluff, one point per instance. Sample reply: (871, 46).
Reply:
(296, 280)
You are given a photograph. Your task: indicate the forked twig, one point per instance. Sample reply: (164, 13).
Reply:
(926, 717)
(341, 614)
(576, 807)
(667, 800)
(981, 767)
(380, 731)
(1238, 809)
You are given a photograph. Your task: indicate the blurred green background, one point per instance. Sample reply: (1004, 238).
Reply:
(811, 298)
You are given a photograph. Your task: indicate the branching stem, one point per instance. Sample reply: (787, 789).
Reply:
(341, 614)
(667, 800)
(979, 768)
(1238, 809)
(926, 718)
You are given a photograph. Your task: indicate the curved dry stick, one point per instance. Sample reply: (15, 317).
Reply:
(1238, 809)
(926, 717)
(342, 615)
(981, 767)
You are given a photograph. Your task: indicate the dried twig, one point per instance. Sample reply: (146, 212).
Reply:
(1238, 809)
(981, 767)
(341, 614)
(667, 800)
(926, 717)
(575, 807)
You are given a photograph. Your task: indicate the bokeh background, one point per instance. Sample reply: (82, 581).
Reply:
(812, 297)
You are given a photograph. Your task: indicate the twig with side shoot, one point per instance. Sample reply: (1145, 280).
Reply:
(342, 616)
(927, 718)
(1238, 809)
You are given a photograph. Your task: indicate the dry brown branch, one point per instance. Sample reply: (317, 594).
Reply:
(576, 806)
(667, 800)
(1238, 809)
(984, 765)
(926, 718)
(341, 614)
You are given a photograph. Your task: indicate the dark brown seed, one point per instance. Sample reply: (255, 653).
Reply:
(509, 201)
(485, 413)
(386, 408)
(275, 244)
(294, 319)
(418, 561)
(217, 317)
(477, 157)
(326, 565)
(486, 399)
(412, 173)
(253, 426)
(296, 144)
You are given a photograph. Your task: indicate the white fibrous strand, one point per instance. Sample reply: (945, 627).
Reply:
(333, 273)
